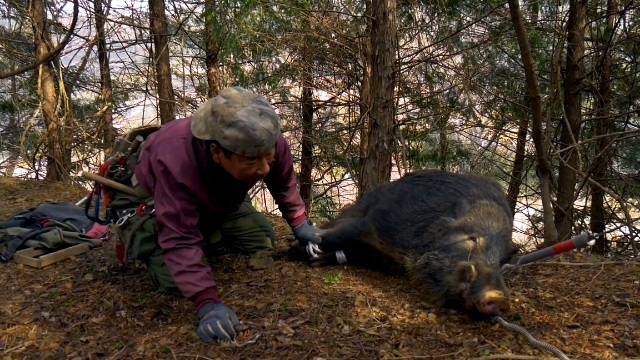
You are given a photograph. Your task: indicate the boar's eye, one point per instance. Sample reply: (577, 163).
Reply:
(473, 238)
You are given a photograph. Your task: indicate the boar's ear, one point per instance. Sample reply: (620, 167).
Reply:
(446, 223)
(458, 207)
(466, 272)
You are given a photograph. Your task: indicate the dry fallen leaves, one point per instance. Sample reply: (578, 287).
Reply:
(374, 315)
(286, 329)
(361, 302)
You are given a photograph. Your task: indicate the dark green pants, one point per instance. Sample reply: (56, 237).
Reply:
(246, 231)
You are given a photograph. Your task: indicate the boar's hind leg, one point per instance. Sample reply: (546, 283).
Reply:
(345, 234)
(365, 257)
(325, 259)
(359, 245)
(340, 234)
(296, 252)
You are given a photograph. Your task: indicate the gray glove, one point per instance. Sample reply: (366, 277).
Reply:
(307, 233)
(217, 322)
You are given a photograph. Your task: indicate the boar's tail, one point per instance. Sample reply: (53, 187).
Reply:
(359, 233)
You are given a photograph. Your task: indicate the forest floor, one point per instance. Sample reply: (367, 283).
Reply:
(88, 308)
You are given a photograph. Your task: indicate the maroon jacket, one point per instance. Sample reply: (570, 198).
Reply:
(177, 169)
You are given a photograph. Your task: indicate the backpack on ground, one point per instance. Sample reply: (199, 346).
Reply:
(51, 225)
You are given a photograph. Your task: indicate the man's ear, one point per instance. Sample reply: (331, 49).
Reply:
(216, 153)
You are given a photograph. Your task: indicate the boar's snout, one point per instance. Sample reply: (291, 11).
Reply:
(480, 286)
(493, 303)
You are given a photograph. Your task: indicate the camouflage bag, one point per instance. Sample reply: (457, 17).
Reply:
(133, 215)
(51, 225)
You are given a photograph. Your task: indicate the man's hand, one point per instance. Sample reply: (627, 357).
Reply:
(307, 233)
(217, 322)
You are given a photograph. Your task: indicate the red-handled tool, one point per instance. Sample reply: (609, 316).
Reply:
(581, 241)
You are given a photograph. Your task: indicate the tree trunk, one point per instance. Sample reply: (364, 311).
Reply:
(572, 104)
(12, 131)
(13, 134)
(443, 142)
(518, 164)
(543, 168)
(106, 92)
(211, 58)
(56, 169)
(163, 66)
(377, 165)
(602, 127)
(306, 162)
(365, 94)
(521, 143)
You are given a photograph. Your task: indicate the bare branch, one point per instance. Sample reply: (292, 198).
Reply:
(52, 53)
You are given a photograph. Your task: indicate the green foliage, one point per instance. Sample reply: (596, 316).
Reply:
(7, 107)
(459, 64)
(324, 208)
(628, 155)
(332, 278)
(425, 151)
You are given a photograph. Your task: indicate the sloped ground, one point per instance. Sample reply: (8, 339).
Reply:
(88, 308)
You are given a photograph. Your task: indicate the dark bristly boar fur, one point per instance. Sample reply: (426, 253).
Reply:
(448, 232)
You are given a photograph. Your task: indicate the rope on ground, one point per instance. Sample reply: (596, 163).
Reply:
(539, 344)
(248, 342)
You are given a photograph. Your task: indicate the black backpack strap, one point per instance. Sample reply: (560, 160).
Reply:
(15, 241)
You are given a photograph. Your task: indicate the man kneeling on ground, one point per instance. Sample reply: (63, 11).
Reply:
(198, 171)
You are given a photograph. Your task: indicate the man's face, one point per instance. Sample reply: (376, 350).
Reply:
(246, 169)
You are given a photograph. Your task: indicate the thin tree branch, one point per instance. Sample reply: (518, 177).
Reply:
(52, 53)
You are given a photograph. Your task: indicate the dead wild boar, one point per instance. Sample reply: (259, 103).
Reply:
(448, 232)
